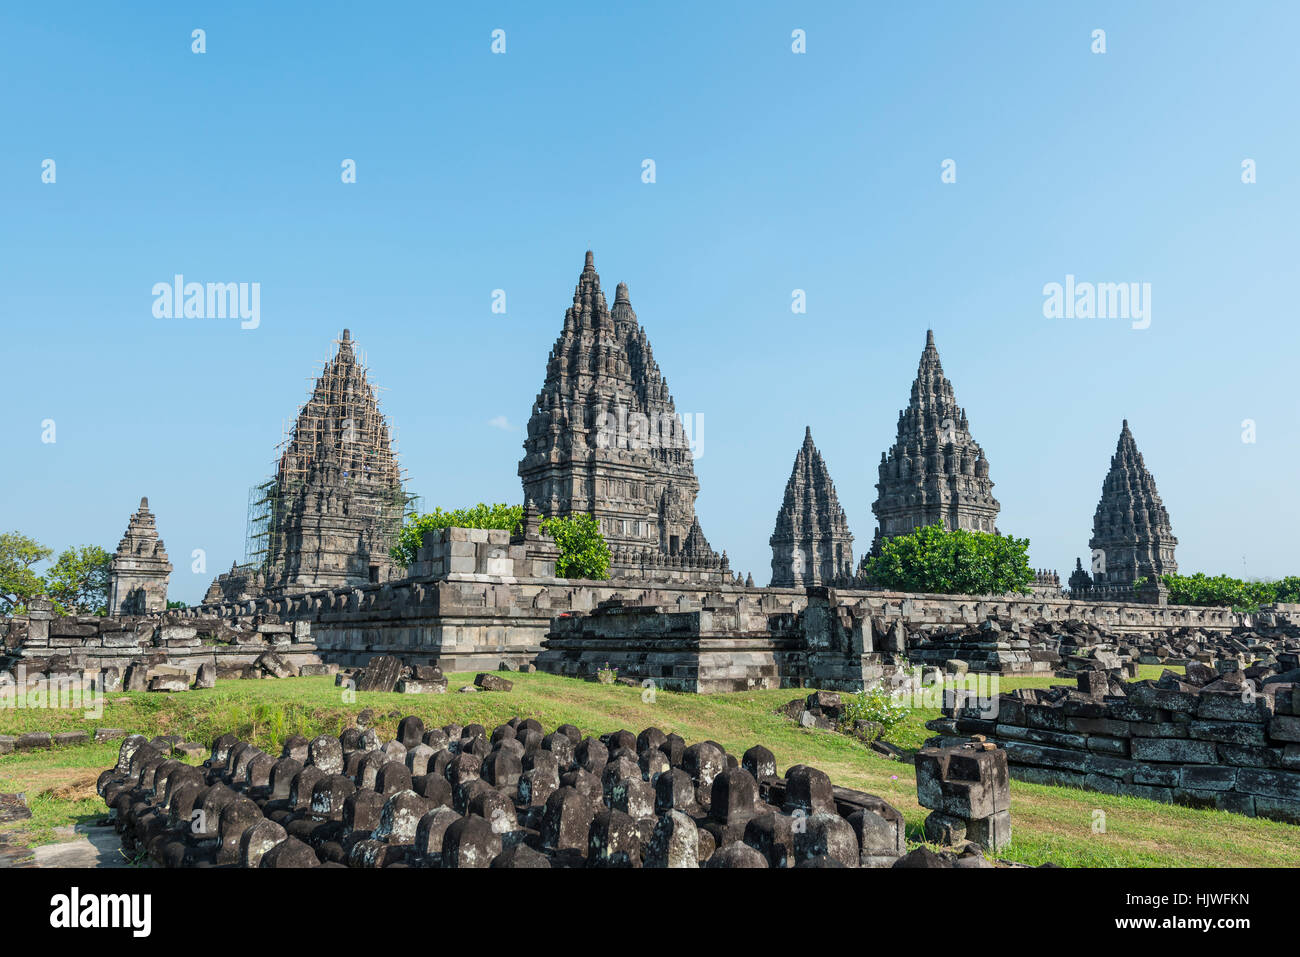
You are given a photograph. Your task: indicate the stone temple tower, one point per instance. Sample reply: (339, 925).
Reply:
(139, 572)
(935, 472)
(1131, 534)
(811, 544)
(337, 501)
(604, 438)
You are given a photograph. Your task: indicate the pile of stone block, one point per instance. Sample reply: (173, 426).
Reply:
(514, 796)
(1260, 642)
(386, 673)
(1016, 646)
(968, 791)
(1219, 737)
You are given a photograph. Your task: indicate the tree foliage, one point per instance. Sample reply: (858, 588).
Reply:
(409, 540)
(584, 553)
(78, 580)
(18, 583)
(958, 562)
(1226, 592)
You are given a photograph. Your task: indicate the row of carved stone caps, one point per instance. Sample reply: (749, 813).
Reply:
(704, 794)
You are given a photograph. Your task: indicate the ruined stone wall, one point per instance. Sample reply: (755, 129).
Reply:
(42, 642)
(466, 612)
(722, 647)
(1177, 744)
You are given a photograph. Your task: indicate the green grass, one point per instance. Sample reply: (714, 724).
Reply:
(1048, 823)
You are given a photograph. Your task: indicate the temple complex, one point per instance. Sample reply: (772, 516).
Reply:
(935, 473)
(1131, 534)
(605, 439)
(139, 572)
(811, 544)
(337, 502)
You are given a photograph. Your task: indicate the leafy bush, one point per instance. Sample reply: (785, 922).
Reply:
(876, 705)
(584, 552)
(958, 562)
(1226, 592)
(411, 537)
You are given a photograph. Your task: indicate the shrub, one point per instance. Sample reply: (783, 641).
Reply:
(584, 552)
(876, 705)
(958, 562)
(411, 537)
(1226, 592)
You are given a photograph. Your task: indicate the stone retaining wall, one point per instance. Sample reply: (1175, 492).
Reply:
(1217, 746)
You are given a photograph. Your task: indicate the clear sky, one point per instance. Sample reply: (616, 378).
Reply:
(775, 171)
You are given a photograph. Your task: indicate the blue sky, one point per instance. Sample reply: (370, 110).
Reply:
(774, 172)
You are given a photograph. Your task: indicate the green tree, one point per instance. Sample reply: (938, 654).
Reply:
(18, 583)
(584, 553)
(78, 580)
(411, 537)
(958, 562)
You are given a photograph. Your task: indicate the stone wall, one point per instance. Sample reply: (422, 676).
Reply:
(42, 642)
(721, 647)
(1229, 741)
(476, 599)
(457, 614)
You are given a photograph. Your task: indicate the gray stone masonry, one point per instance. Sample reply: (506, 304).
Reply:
(967, 789)
(1222, 737)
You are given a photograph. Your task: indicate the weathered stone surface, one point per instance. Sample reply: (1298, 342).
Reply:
(492, 682)
(381, 674)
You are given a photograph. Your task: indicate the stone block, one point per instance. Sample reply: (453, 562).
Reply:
(992, 833)
(1220, 706)
(1274, 784)
(1284, 728)
(1209, 778)
(1173, 750)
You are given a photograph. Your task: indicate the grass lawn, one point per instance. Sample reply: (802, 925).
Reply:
(1048, 823)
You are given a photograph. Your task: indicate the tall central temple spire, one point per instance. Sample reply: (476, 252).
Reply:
(936, 472)
(604, 437)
